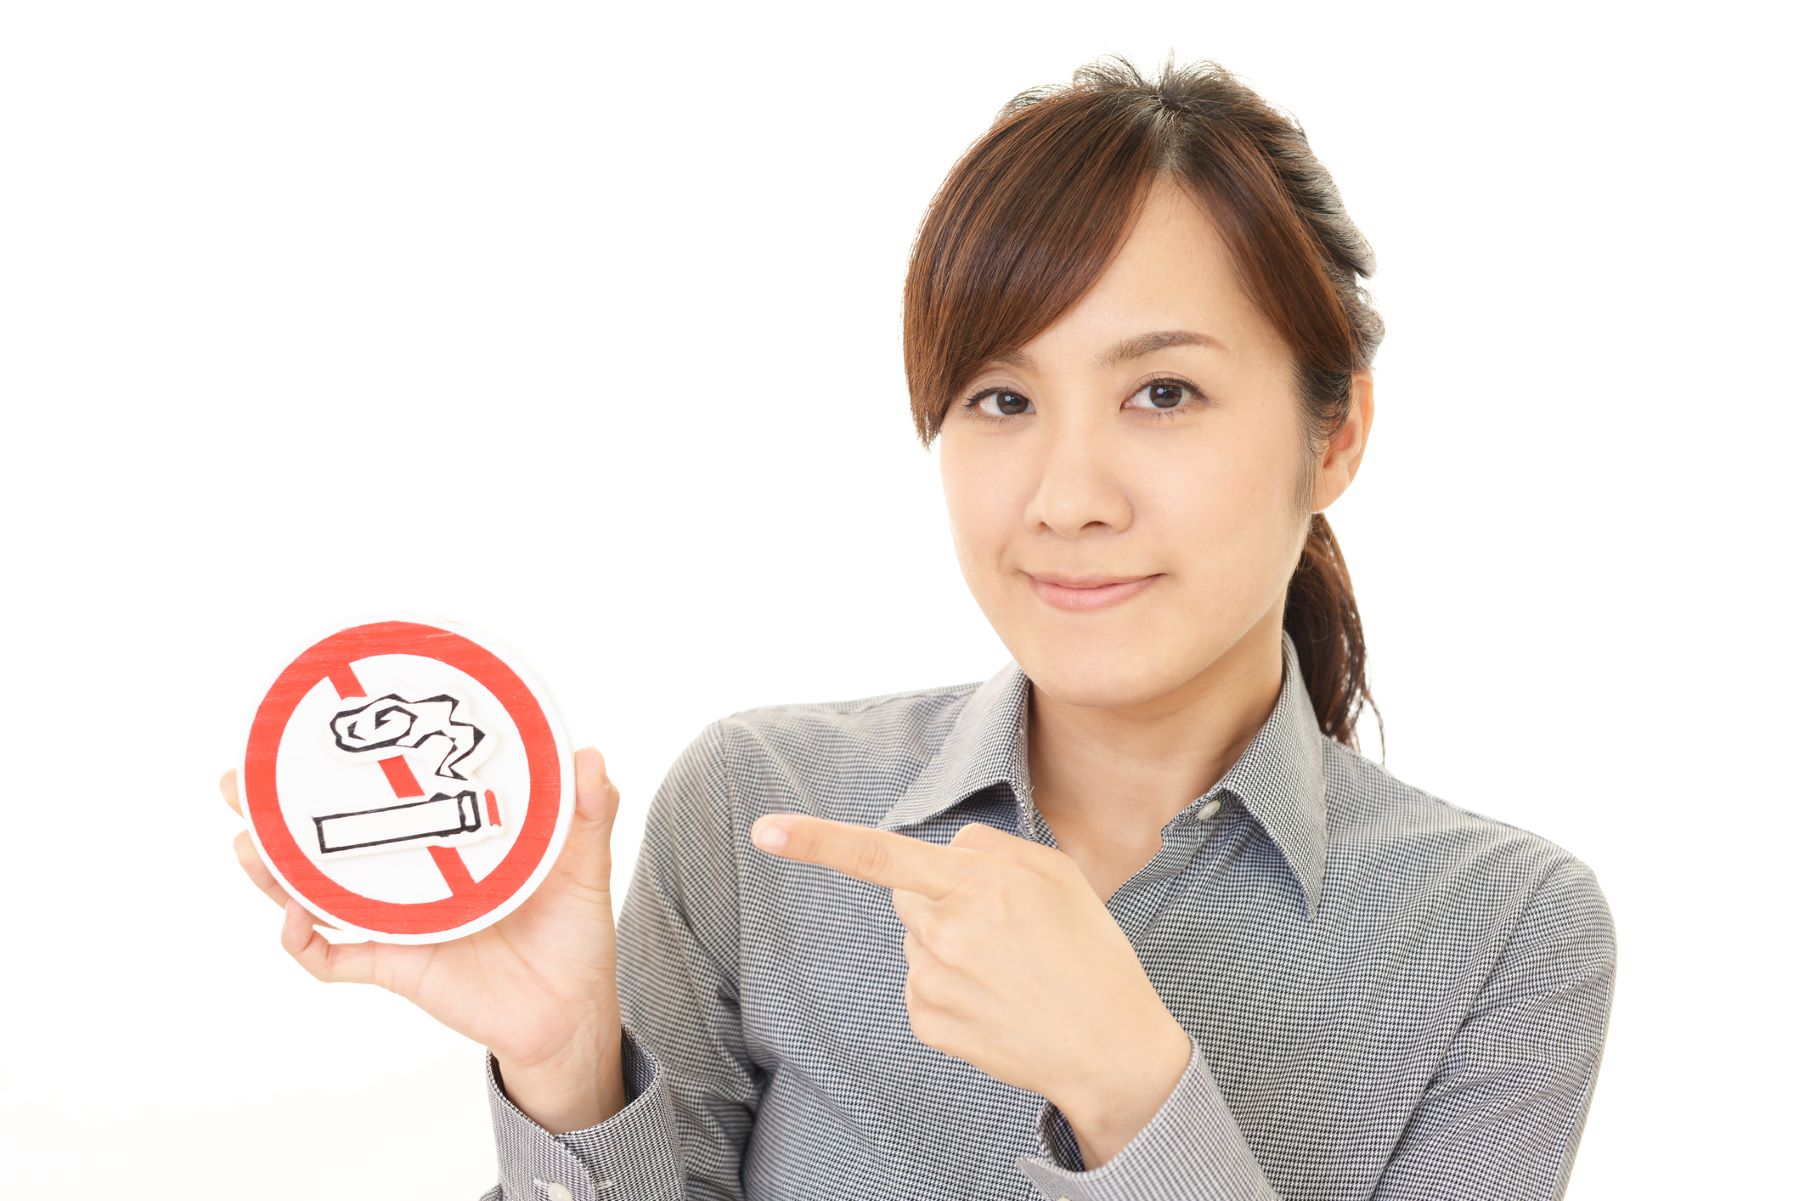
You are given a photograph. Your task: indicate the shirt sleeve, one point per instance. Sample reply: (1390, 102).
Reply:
(691, 1088)
(1501, 1118)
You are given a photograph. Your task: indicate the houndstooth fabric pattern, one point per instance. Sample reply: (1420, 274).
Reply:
(1388, 997)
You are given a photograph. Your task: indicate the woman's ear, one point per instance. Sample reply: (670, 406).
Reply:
(1337, 467)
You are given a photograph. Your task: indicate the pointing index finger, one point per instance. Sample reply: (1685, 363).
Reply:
(878, 856)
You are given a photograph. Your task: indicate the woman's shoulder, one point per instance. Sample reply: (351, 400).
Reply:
(848, 726)
(1382, 824)
(845, 758)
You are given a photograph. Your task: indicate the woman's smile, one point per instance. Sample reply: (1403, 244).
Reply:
(1102, 596)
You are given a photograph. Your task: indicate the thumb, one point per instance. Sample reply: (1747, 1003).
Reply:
(595, 797)
(587, 853)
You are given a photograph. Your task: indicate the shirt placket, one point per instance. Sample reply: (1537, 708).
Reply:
(1137, 901)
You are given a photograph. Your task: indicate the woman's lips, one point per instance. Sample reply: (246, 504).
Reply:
(1089, 598)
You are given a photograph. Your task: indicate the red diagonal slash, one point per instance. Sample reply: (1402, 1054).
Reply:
(448, 859)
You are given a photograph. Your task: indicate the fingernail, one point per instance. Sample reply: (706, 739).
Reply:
(768, 834)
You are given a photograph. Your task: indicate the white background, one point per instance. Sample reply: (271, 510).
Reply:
(584, 328)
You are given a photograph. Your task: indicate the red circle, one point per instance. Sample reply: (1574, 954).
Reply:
(403, 638)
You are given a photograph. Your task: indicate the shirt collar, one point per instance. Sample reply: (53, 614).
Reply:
(1279, 779)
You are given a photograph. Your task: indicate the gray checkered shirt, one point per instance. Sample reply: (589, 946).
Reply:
(1388, 996)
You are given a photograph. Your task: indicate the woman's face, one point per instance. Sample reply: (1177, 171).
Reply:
(1181, 463)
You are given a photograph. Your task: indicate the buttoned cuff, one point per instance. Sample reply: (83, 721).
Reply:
(632, 1156)
(1191, 1147)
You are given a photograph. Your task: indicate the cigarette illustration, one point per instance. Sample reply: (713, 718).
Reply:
(392, 722)
(440, 816)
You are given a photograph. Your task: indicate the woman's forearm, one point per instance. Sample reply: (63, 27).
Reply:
(580, 1090)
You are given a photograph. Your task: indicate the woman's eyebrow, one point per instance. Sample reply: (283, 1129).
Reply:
(1129, 348)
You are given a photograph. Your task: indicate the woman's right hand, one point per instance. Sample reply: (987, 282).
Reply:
(539, 987)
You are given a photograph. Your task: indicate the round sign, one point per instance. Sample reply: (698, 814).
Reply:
(407, 781)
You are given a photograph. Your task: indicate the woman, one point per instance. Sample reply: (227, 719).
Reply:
(1133, 917)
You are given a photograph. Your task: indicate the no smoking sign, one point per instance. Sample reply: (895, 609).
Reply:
(407, 781)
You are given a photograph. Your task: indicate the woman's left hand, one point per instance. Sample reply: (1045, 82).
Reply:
(1015, 965)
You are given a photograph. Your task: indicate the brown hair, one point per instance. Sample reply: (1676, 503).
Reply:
(1032, 213)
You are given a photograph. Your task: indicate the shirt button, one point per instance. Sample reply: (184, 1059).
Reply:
(557, 1192)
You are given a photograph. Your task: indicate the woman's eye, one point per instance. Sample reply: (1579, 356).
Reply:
(975, 402)
(1165, 400)
(1166, 396)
